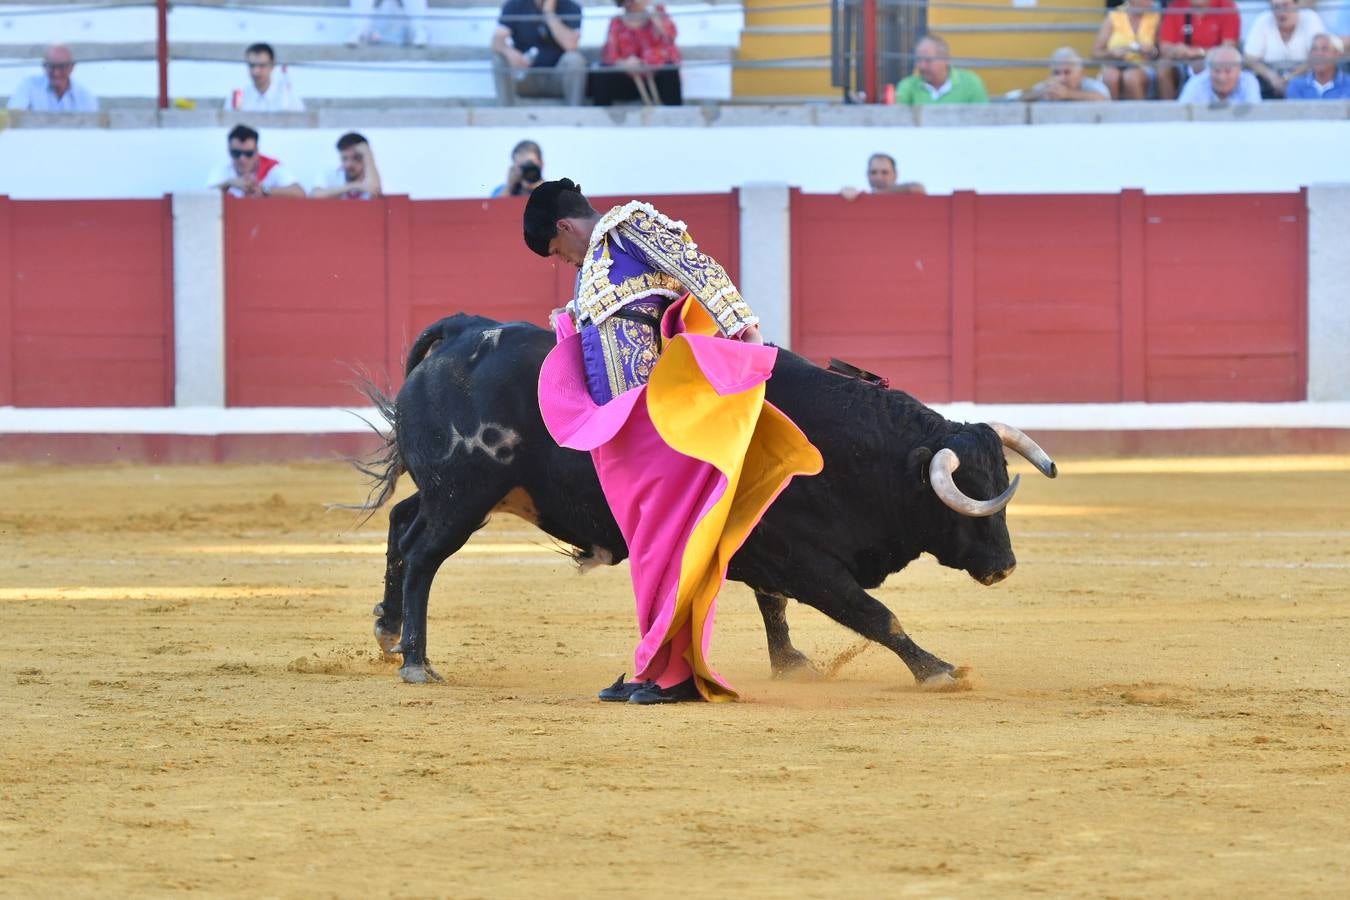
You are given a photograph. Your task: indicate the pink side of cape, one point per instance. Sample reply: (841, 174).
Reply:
(657, 494)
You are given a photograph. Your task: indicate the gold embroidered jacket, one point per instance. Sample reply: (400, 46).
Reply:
(637, 252)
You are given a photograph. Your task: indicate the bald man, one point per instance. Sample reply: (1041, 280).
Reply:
(54, 91)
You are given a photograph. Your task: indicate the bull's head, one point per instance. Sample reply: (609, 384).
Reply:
(979, 542)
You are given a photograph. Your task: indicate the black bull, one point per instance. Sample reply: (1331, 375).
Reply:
(467, 427)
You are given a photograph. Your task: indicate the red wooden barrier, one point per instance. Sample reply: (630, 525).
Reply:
(86, 303)
(315, 290)
(1008, 299)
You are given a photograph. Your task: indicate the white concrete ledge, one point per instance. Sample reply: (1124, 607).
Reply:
(1151, 416)
(342, 420)
(461, 112)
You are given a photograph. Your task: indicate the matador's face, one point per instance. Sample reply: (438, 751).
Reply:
(571, 242)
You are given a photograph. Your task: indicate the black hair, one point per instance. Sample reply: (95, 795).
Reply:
(261, 48)
(527, 145)
(350, 139)
(243, 133)
(885, 156)
(551, 201)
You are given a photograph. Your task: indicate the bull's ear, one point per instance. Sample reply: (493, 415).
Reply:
(917, 464)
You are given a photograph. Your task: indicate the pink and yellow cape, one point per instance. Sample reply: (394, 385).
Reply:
(689, 462)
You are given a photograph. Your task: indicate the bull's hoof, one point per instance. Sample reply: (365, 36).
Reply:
(794, 665)
(388, 641)
(419, 675)
(957, 679)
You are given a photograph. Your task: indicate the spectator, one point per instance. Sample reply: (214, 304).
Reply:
(55, 91)
(535, 51)
(381, 18)
(937, 80)
(265, 94)
(1190, 29)
(1067, 82)
(1278, 44)
(641, 42)
(1127, 44)
(525, 173)
(1223, 80)
(882, 178)
(356, 178)
(250, 174)
(1324, 80)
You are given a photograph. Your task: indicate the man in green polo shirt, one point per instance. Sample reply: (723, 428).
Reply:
(937, 80)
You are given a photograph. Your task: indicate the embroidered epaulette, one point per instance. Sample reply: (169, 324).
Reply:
(678, 266)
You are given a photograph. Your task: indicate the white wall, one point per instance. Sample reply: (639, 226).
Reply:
(1164, 157)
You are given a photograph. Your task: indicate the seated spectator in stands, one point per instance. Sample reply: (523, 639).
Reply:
(356, 178)
(882, 178)
(525, 173)
(250, 174)
(641, 42)
(55, 91)
(265, 93)
(936, 80)
(382, 19)
(1223, 80)
(1278, 43)
(1190, 29)
(1127, 44)
(1067, 81)
(535, 51)
(1324, 80)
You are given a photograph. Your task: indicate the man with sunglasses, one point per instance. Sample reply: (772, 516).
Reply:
(54, 91)
(265, 94)
(249, 173)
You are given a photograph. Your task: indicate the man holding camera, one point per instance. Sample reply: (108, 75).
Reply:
(526, 172)
(356, 178)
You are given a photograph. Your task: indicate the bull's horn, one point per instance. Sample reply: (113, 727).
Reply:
(1014, 439)
(940, 470)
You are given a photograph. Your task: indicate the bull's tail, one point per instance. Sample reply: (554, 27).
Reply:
(383, 466)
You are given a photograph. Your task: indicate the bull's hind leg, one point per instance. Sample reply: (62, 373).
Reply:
(389, 611)
(838, 596)
(443, 523)
(785, 660)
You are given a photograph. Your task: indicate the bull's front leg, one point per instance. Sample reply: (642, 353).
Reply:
(834, 592)
(389, 611)
(785, 660)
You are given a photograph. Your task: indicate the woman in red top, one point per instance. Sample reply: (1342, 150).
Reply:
(641, 43)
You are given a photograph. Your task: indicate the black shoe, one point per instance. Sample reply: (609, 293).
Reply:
(650, 693)
(621, 690)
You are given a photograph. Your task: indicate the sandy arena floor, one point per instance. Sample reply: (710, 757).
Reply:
(190, 699)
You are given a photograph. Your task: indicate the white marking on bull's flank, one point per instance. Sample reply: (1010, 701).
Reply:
(486, 343)
(497, 441)
(599, 557)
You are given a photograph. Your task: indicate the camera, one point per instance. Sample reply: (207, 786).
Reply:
(531, 173)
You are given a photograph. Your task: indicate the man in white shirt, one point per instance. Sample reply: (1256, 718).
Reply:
(357, 178)
(54, 91)
(1278, 44)
(1223, 80)
(249, 173)
(265, 94)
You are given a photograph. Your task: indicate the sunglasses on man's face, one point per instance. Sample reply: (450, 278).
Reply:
(246, 154)
(57, 67)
